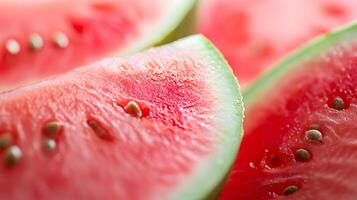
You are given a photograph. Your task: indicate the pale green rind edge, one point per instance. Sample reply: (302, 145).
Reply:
(165, 29)
(311, 49)
(210, 174)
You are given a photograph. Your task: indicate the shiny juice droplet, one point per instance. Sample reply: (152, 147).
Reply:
(13, 47)
(133, 109)
(12, 155)
(252, 165)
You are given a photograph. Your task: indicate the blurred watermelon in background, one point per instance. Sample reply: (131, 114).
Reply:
(299, 127)
(253, 34)
(42, 38)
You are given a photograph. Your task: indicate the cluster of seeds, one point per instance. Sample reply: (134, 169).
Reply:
(36, 42)
(313, 135)
(51, 131)
(131, 108)
(12, 152)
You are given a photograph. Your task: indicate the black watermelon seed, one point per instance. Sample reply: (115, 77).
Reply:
(12, 155)
(5, 140)
(52, 128)
(302, 155)
(313, 135)
(338, 103)
(290, 189)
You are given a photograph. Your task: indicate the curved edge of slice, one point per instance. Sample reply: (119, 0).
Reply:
(206, 177)
(229, 116)
(178, 12)
(295, 58)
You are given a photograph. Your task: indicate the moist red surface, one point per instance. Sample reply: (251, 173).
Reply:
(139, 158)
(94, 28)
(254, 34)
(275, 129)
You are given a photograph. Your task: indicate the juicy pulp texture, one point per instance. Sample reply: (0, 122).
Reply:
(104, 152)
(93, 28)
(252, 34)
(296, 97)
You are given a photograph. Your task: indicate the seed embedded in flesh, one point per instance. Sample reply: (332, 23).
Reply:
(35, 42)
(5, 140)
(12, 155)
(133, 109)
(302, 155)
(98, 129)
(52, 128)
(60, 40)
(290, 189)
(274, 161)
(49, 144)
(338, 103)
(313, 135)
(13, 47)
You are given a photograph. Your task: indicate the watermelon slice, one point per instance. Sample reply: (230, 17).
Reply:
(41, 38)
(300, 126)
(149, 126)
(254, 34)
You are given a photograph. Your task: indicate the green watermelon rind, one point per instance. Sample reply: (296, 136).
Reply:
(165, 29)
(208, 177)
(266, 82)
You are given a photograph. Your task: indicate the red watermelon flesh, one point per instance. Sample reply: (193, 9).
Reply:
(148, 126)
(300, 126)
(252, 34)
(41, 38)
